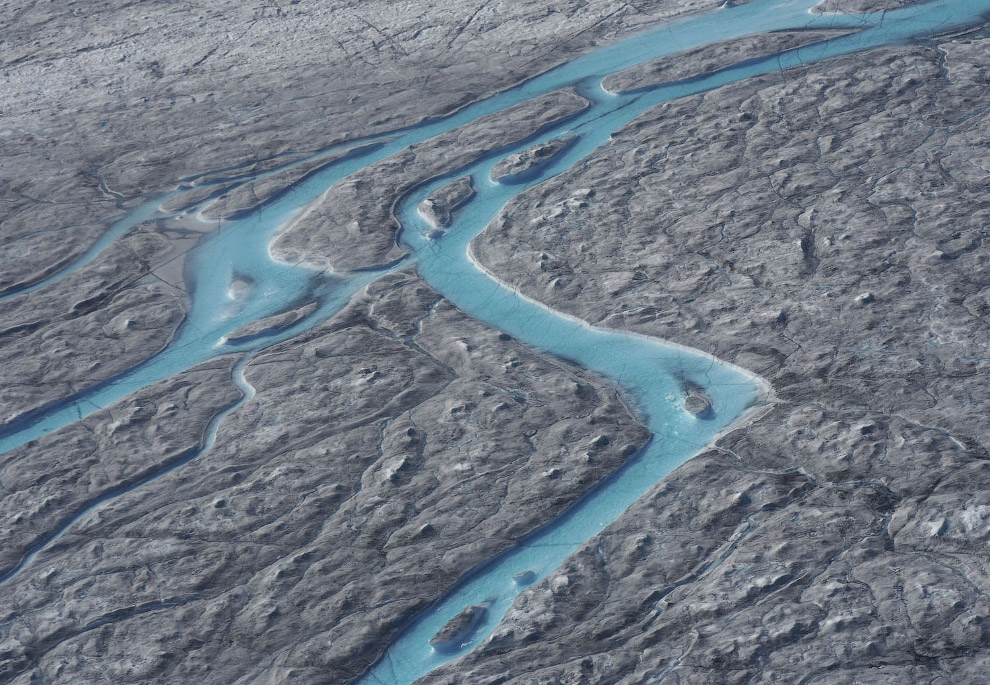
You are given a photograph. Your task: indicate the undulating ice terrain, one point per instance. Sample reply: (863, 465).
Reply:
(507, 342)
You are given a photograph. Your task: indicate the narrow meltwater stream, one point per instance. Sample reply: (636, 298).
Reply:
(653, 372)
(209, 438)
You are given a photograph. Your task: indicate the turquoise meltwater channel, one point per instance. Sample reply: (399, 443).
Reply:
(654, 373)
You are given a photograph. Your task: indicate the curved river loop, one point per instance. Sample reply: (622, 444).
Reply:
(653, 372)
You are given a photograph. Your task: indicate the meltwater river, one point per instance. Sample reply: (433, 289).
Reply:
(651, 371)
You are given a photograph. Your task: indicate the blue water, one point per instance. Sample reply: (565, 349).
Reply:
(652, 372)
(145, 211)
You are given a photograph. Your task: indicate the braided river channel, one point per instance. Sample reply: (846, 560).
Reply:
(654, 373)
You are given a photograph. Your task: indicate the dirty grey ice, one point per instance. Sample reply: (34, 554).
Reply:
(247, 436)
